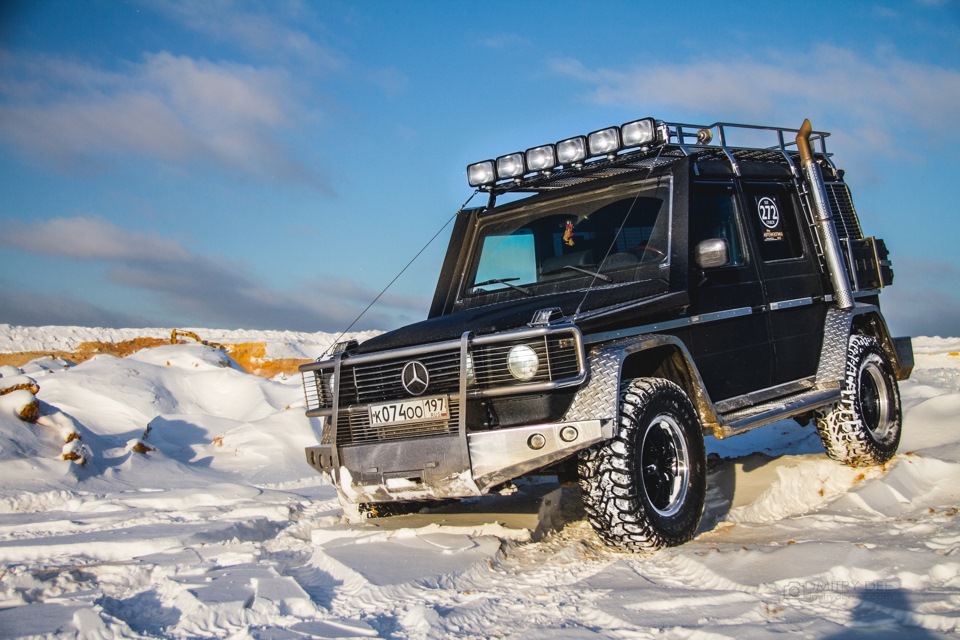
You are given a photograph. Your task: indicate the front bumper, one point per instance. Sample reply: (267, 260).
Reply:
(439, 456)
(443, 467)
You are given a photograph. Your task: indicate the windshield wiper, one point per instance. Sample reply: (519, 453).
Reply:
(570, 267)
(505, 281)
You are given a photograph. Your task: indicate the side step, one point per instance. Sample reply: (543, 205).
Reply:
(740, 421)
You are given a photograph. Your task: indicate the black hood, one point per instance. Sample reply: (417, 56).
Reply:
(495, 318)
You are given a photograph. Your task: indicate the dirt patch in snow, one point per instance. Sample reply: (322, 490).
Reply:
(252, 356)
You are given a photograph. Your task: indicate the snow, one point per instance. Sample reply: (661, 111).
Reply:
(280, 344)
(196, 515)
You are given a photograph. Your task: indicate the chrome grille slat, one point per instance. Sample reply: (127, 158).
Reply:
(372, 380)
(381, 381)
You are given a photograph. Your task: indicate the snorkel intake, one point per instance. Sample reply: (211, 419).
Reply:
(823, 220)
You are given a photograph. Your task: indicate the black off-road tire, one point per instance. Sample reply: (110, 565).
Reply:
(645, 489)
(863, 429)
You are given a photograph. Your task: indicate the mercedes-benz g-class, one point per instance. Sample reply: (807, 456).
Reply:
(622, 295)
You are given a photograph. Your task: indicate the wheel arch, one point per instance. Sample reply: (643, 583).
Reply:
(669, 358)
(651, 356)
(864, 319)
(869, 321)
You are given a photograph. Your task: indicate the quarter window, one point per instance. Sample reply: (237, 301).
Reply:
(775, 226)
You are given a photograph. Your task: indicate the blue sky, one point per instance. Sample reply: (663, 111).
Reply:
(273, 165)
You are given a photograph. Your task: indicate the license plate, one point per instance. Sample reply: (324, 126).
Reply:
(419, 410)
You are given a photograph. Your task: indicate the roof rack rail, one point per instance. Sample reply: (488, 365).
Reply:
(704, 136)
(672, 141)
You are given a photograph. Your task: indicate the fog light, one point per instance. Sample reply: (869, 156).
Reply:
(569, 434)
(523, 362)
(536, 441)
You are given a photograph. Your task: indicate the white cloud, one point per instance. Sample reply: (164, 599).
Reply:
(38, 309)
(172, 109)
(877, 93)
(260, 31)
(197, 289)
(90, 238)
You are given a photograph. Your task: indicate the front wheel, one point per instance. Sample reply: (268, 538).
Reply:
(645, 489)
(863, 429)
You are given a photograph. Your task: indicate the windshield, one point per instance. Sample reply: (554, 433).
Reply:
(572, 243)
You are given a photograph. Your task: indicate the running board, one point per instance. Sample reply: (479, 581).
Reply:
(743, 420)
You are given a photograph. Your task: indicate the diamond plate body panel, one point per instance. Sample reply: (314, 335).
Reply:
(598, 398)
(833, 352)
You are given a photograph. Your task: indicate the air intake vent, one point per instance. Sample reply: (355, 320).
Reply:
(844, 215)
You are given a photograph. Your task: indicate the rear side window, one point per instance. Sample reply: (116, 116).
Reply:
(774, 221)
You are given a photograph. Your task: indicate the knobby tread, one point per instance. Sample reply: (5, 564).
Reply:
(842, 430)
(613, 496)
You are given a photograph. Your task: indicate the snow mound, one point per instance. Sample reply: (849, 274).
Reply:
(195, 515)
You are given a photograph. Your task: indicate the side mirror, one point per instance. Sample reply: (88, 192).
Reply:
(712, 253)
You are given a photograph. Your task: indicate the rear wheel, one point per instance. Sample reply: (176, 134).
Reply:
(863, 429)
(645, 489)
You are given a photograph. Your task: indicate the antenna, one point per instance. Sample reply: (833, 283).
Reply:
(402, 271)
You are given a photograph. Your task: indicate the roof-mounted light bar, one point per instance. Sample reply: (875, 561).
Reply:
(571, 152)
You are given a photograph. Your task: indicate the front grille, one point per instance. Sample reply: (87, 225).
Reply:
(367, 379)
(380, 381)
(844, 215)
(354, 426)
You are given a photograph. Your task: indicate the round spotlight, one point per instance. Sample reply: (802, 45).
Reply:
(523, 362)
(569, 434)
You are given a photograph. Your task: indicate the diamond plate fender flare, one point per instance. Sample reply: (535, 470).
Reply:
(867, 319)
(599, 398)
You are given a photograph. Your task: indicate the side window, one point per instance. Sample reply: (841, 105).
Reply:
(713, 214)
(775, 224)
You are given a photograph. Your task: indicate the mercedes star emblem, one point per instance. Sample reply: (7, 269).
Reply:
(415, 377)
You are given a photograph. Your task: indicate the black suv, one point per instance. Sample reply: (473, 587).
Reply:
(634, 290)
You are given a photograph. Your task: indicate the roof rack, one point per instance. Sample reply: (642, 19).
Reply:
(675, 141)
(703, 136)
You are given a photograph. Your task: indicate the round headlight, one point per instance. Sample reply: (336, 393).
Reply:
(522, 361)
